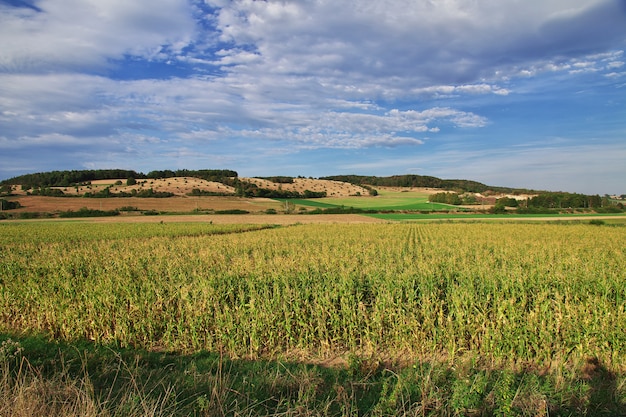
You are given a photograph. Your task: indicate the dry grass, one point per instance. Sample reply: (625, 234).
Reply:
(332, 188)
(420, 190)
(26, 392)
(179, 186)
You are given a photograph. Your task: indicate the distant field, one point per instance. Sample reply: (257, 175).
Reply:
(385, 200)
(609, 217)
(171, 204)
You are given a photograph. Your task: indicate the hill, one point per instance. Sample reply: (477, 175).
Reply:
(424, 181)
(337, 185)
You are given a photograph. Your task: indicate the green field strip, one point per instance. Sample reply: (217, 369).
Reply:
(435, 216)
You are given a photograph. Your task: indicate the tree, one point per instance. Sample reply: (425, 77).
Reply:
(131, 181)
(9, 205)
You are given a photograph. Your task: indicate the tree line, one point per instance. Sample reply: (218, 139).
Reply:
(550, 201)
(248, 189)
(420, 181)
(78, 177)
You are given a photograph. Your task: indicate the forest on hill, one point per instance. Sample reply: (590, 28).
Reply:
(423, 181)
(75, 177)
(457, 191)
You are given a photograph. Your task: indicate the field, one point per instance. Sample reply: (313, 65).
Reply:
(315, 319)
(340, 194)
(387, 199)
(166, 205)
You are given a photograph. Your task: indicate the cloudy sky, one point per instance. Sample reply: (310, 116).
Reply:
(507, 92)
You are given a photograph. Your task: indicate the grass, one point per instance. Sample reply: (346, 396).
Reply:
(42, 377)
(386, 200)
(414, 319)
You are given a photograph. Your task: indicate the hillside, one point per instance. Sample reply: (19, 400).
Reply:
(182, 182)
(300, 185)
(424, 181)
(185, 186)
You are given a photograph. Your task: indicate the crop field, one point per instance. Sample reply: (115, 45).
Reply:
(339, 319)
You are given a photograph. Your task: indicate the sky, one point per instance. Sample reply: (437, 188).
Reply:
(528, 94)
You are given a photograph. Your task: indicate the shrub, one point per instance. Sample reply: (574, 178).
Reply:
(85, 212)
(9, 205)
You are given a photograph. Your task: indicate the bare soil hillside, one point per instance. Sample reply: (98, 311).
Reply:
(178, 185)
(332, 188)
(182, 186)
(422, 190)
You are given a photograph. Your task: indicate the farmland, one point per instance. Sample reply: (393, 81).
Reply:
(387, 199)
(376, 319)
(410, 199)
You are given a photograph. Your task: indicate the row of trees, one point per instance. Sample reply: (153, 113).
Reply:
(419, 181)
(104, 193)
(568, 200)
(247, 189)
(218, 175)
(542, 201)
(453, 198)
(70, 178)
(278, 179)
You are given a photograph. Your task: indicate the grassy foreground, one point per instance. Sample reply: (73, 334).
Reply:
(417, 319)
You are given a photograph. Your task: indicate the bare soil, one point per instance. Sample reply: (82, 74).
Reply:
(171, 204)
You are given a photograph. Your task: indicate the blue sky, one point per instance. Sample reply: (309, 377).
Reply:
(505, 92)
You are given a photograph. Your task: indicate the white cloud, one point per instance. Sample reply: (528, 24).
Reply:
(205, 109)
(284, 74)
(74, 34)
(417, 43)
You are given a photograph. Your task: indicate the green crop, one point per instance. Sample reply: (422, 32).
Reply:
(510, 294)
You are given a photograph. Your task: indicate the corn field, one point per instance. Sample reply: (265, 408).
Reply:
(509, 293)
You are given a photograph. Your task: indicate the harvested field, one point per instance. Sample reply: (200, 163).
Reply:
(171, 204)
